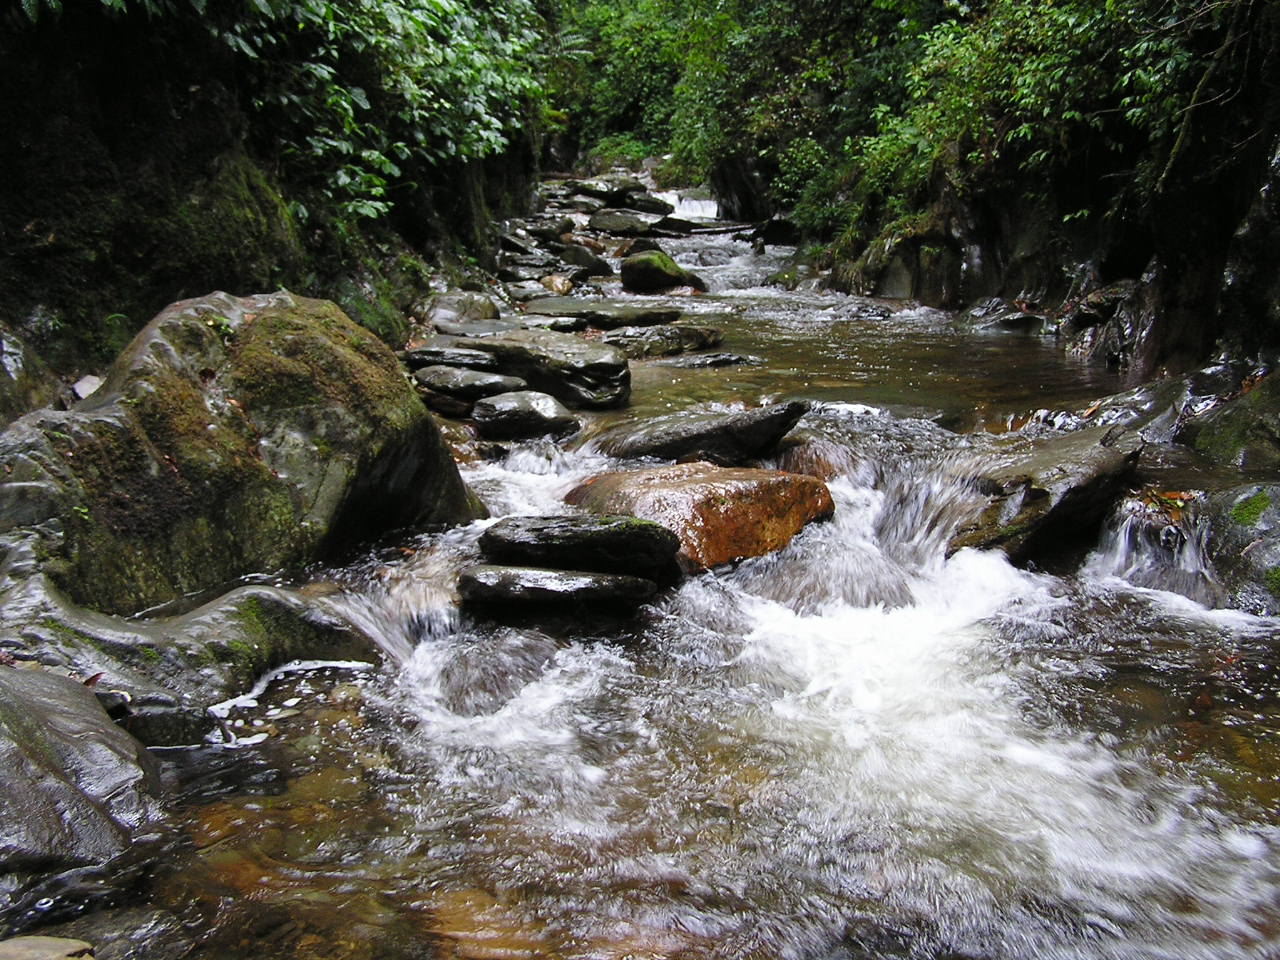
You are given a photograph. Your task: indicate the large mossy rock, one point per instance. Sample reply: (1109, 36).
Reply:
(727, 439)
(1244, 545)
(719, 514)
(653, 271)
(233, 436)
(76, 789)
(575, 371)
(1046, 497)
(1243, 432)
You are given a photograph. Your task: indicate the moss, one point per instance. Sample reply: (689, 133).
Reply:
(1272, 581)
(1247, 512)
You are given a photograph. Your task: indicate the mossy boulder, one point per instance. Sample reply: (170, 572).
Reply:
(652, 271)
(1244, 545)
(1243, 432)
(232, 436)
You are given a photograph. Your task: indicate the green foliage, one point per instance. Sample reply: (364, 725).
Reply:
(618, 150)
(364, 91)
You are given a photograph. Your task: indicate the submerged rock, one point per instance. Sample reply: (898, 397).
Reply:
(709, 360)
(503, 585)
(662, 341)
(232, 436)
(1049, 496)
(653, 271)
(604, 544)
(727, 439)
(522, 414)
(575, 371)
(719, 514)
(76, 790)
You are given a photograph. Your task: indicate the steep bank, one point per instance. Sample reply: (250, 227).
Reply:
(150, 159)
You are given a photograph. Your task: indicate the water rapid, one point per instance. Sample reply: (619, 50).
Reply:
(855, 747)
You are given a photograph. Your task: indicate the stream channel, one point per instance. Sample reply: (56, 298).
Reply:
(854, 747)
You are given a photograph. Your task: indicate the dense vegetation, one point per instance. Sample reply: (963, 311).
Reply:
(330, 144)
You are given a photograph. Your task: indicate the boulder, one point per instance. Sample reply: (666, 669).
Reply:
(1243, 432)
(1048, 496)
(448, 352)
(605, 314)
(458, 305)
(1244, 545)
(575, 371)
(588, 264)
(233, 436)
(639, 343)
(719, 514)
(673, 227)
(522, 414)
(76, 792)
(612, 190)
(487, 584)
(605, 544)
(536, 321)
(551, 229)
(646, 203)
(653, 271)
(622, 223)
(995, 313)
(467, 384)
(727, 439)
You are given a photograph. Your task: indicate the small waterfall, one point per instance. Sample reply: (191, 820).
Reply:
(1144, 545)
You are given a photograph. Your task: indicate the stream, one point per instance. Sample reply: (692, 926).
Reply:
(855, 747)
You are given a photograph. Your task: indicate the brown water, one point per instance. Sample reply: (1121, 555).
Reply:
(853, 748)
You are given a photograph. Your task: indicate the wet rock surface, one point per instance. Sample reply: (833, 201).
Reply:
(719, 514)
(522, 414)
(640, 343)
(727, 439)
(76, 790)
(467, 384)
(1244, 545)
(1048, 496)
(575, 371)
(602, 544)
(488, 584)
(606, 314)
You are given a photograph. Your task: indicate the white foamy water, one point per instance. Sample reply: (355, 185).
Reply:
(834, 751)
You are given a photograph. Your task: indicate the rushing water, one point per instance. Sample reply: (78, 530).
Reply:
(855, 747)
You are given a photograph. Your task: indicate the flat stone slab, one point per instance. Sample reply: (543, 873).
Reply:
(728, 439)
(719, 514)
(662, 341)
(486, 583)
(446, 351)
(467, 384)
(601, 544)
(605, 314)
(578, 372)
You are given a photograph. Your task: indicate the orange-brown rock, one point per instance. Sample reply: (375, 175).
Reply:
(719, 514)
